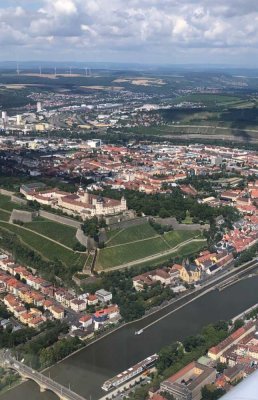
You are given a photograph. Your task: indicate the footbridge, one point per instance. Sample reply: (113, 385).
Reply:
(44, 382)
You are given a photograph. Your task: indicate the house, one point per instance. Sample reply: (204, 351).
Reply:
(57, 311)
(92, 300)
(103, 296)
(110, 314)
(234, 374)
(35, 322)
(67, 299)
(163, 275)
(78, 305)
(47, 304)
(86, 321)
(18, 310)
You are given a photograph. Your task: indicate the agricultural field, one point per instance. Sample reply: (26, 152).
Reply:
(4, 215)
(210, 99)
(63, 234)
(131, 234)
(112, 256)
(7, 204)
(48, 249)
(173, 238)
(184, 251)
(146, 242)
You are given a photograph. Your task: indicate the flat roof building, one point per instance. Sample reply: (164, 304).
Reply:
(187, 383)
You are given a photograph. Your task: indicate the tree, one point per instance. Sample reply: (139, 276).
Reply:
(210, 392)
(238, 324)
(220, 367)
(167, 396)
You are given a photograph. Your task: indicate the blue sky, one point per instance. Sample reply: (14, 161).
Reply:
(145, 31)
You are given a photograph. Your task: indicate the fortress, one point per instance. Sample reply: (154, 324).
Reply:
(81, 203)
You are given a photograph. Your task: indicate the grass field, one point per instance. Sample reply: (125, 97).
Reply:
(173, 238)
(61, 233)
(4, 215)
(184, 251)
(209, 99)
(131, 234)
(124, 252)
(112, 256)
(45, 247)
(7, 204)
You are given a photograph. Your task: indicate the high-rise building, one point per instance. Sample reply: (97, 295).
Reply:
(18, 119)
(39, 106)
(4, 116)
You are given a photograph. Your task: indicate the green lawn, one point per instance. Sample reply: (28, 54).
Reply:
(209, 99)
(175, 237)
(131, 234)
(112, 256)
(61, 233)
(45, 247)
(7, 204)
(184, 251)
(4, 215)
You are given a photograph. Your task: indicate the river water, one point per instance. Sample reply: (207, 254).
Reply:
(89, 368)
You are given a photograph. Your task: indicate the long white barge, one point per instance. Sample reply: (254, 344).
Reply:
(130, 373)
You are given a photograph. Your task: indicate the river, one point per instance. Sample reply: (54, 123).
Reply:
(86, 370)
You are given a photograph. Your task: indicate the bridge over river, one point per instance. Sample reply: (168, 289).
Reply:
(44, 382)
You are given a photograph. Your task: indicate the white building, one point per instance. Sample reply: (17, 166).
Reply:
(83, 203)
(39, 106)
(78, 305)
(103, 296)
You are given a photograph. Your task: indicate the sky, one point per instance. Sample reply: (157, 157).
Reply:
(136, 31)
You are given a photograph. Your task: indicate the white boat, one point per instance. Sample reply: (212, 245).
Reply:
(130, 373)
(139, 332)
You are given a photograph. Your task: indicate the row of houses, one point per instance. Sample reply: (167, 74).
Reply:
(207, 263)
(43, 289)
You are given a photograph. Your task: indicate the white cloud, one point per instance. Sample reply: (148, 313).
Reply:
(149, 28)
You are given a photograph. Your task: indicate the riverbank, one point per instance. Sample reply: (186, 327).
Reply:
(170, 303)
(94, 364)
(173, 305)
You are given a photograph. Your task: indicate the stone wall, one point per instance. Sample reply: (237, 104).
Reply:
(127, 224)
(83, 239)
(6, 192)
(181, 227)
(59, 219)
(19, 200)
(23, 216)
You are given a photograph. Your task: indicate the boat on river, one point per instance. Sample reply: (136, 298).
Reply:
(138, 332)
(130, 373)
